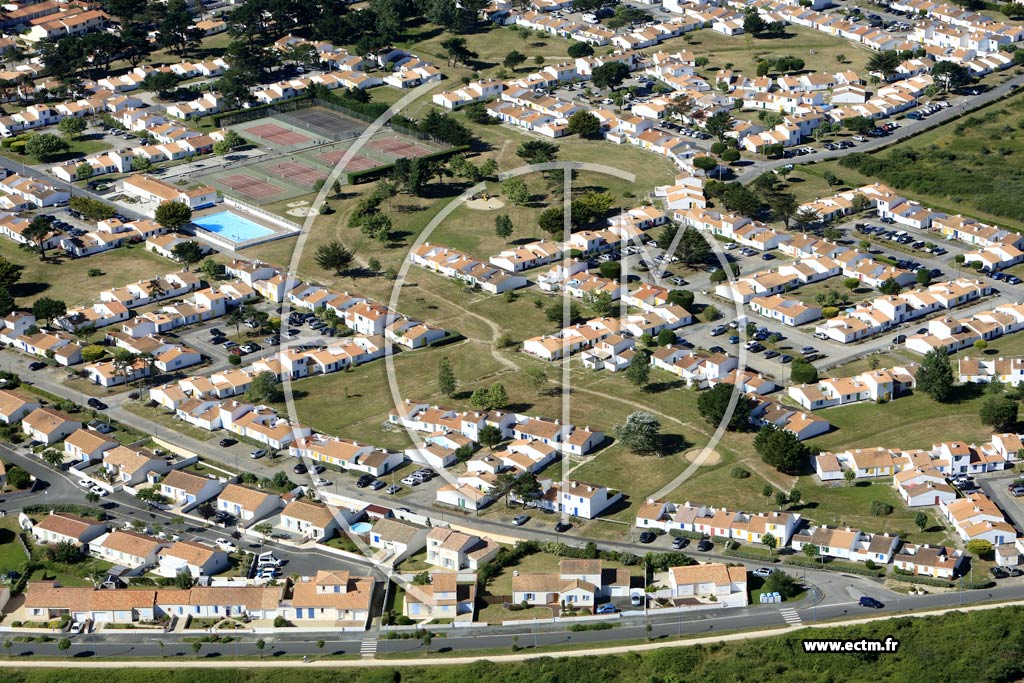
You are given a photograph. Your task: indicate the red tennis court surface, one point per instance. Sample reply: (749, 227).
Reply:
(398, 148)
(356, 163)
(250, 186)
(278, 134)
(295, 171)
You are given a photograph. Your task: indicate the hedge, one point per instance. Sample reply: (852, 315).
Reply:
(81, 510)
(692, 535)
(900, 575)
(750, 553)
(981, 585)
(830, 566)
(449, 338)
(371, 174)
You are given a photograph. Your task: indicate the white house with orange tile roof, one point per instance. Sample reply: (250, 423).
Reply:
(247, 505)
(709, 584)
(85, 445)
(14, 406)
(49, 426)
(185, 489)
(127, 549)
(311, 520)
(61, 527)
(196, 559)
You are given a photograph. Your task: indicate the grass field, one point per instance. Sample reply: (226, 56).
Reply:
(12, 555)
(819, 51)
(541, 563)
(914, 421)
(973, 166)
(68, 280)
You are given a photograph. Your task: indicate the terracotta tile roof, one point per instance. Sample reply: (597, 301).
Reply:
(66, 524)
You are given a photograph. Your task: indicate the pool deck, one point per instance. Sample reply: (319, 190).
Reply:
(278, 227)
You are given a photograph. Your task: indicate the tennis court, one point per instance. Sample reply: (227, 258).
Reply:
(278, 135)
(400, 148)
(252, 187)
(324, 122)
(356, 163)
(295, 172)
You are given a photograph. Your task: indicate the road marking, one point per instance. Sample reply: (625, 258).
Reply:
(368, 648)
(790, 615)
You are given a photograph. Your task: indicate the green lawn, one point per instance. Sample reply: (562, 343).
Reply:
(542, 563)
(497, 613)
(161, 417)
(914, 421)
(972, 166)
(819, 51)
(12, 554)
(68, 279)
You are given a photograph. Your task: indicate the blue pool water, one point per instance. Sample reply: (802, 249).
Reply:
(232, 226)
(361, 527)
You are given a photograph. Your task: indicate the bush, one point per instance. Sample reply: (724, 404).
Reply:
(280, 622)
(908, 577)
(596, 626)
(829, 312)
(739, 473)
(880, 508)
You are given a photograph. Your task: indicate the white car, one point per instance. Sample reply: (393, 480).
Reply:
(85, 483)
(76, 627)
(225, 545)
(322, 482)
(98, 491)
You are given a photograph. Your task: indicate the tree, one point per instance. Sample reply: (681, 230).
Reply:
(666, 337)
(10, 273)
(935, 376)
(503, 226)
(537, 151)
(849, 476)
(516, 191)
(713, 406)
(491, 398)
(188, 253)
(782, 583)
(513, 59)
(639, 369)
(921, 521)
(48, 309)
(611, 270)
(578, 49)
(810, 550)
(7, 304)
(884, 62)
(610, 75)
(334, 256)
(600, 302)
(64, 645)
(177, 30)
(718, 124)
(173, 215)
(781, 499)
(590, 206)
(780, 448)
(753, 24)
(805, 217)
(641, 433)
(980, 548)
(489, 436)
(552, 220)
(92, 497)
(64, 552)
(196, 647)
(556, 314)
(83, 171)
(426, 638)
(802, 372)
(210, 268)
(950, 76)
(999, 412)
(769, 541)
(536, 377)
(44, 146)
(446, 382)
(53, 458)
(584, 124)
(890, 287)
(681, 297)
(264, 388)
(37, 232)
(783, 205)
(18, 478)
(457, 51)
(923, 277)
(71, 126)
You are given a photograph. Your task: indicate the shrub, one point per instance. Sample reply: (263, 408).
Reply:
(280, 622)
(870, 564)
(739, 473)
(829, 312)
(880, 508)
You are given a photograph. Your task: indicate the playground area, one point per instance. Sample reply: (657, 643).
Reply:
(304, 147)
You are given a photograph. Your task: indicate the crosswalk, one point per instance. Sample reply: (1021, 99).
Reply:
(791, 616)
(368, 648)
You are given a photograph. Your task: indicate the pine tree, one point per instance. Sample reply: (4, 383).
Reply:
(446, 381)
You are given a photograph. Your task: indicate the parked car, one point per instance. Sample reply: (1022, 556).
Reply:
(520, 520)
(224, 443)
(718, 330)
(300, 469)
(648, 537)
(606, 608)
(998, 573)
(225, 545)
(562, 527)
(866, 601)
(377, 485)
(258, 453)
(762, 572)
(322, 482)
(99, 491)
(410, 481)
(680, 542)
(37, 365)
(96, 404)
(705, 545)
(393, 489)
(364, 481)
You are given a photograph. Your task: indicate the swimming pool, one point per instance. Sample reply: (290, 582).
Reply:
(361, 527)
(232, 226)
